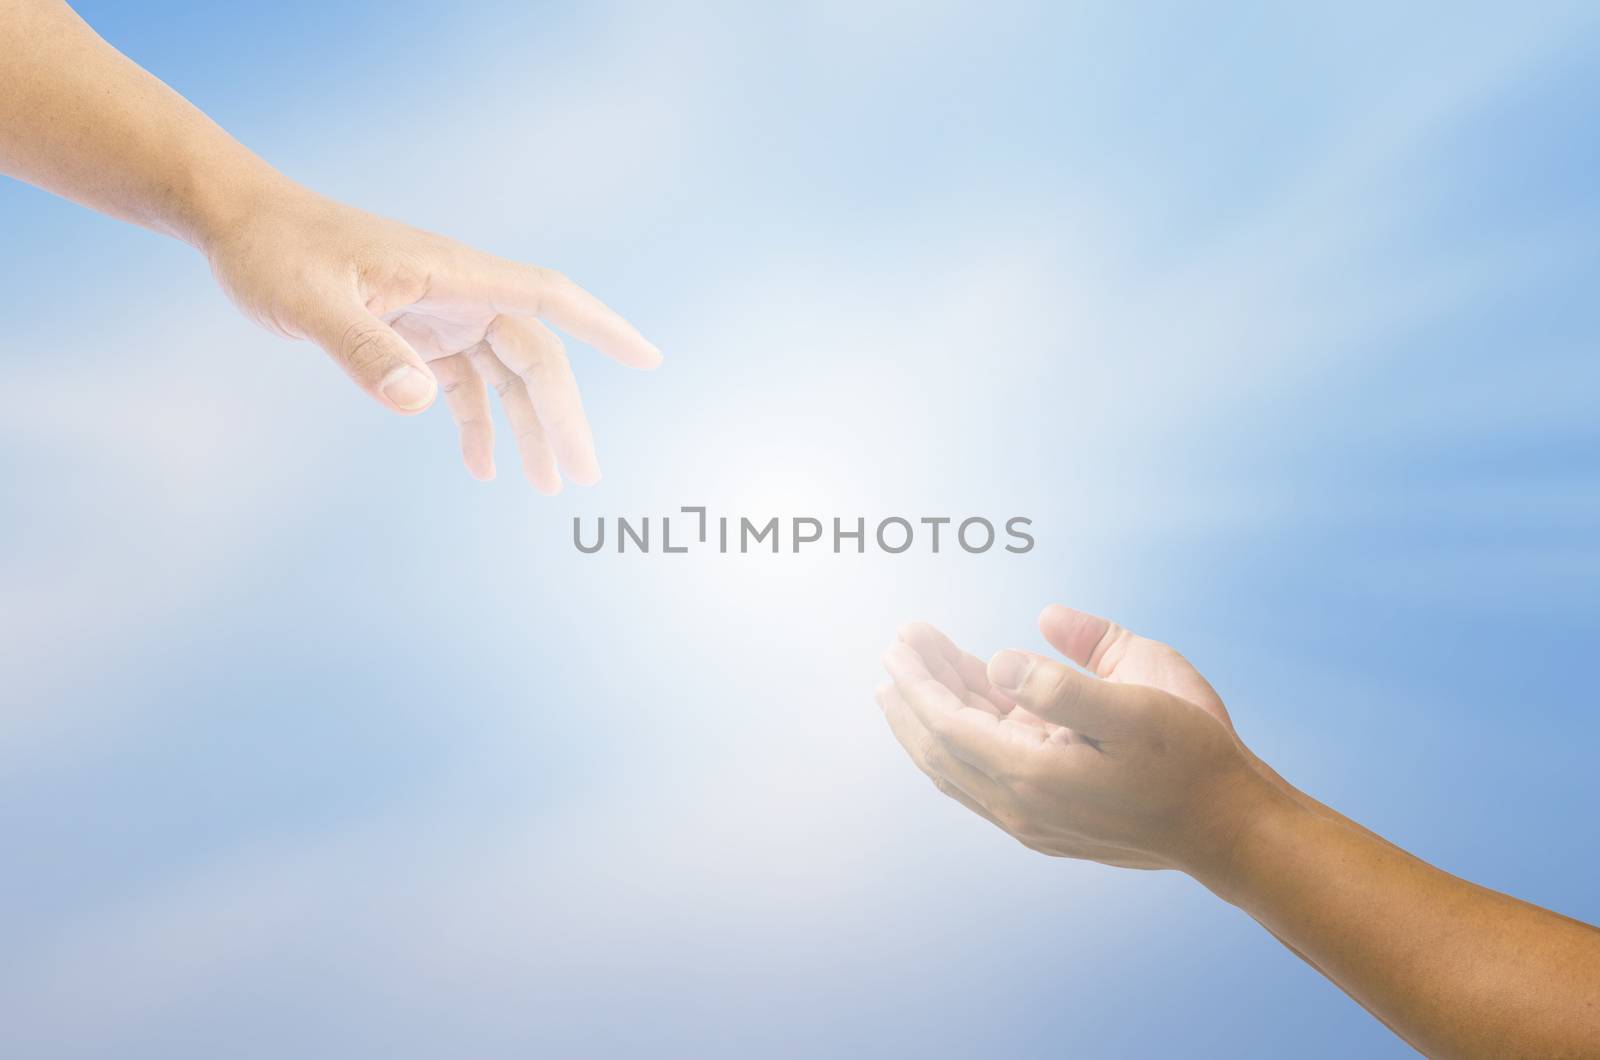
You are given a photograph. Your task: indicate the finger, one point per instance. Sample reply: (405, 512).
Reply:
(950, 775)
(946, 675)
(1022, 716)
(379, 360)
(929, 641)
(533, 352)
(975, 672)
(538, 461)
(971, 735)
(516, 289)
(977, 702)
(931, 644)
(1086, 639)
(468, 400)
(918, 635)
(1058, 735)
(1105, 649)
(1062, 695)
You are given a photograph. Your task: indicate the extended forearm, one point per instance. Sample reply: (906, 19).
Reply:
(80, 119)
(1455, 969)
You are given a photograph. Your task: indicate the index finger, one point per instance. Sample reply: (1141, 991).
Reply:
(514, 288)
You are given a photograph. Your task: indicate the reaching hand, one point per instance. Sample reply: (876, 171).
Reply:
(1137, 766)
(389, 303)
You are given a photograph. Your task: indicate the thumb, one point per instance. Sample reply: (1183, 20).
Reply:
(1062, 695)
(379, 360)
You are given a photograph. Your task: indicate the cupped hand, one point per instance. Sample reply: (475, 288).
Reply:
(407, 313)
(1133, 764)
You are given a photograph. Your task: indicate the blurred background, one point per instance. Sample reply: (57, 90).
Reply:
(1280, 324)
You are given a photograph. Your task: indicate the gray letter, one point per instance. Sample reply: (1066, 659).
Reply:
(961, 533)
(745, 526)
(860, 535)
(935, 521)
(798, 540)
(884, 544)
(702, 513)
(666, 537)
(624, 531)
(577, 539)
(1011, 528)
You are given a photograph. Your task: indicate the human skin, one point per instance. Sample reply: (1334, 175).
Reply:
(1136, 764)
(404, 312)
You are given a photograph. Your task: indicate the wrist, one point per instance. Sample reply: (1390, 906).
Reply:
(1249, 815)
(221, 196)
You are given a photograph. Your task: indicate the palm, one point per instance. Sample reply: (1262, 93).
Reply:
(437, 331)
(966, 677)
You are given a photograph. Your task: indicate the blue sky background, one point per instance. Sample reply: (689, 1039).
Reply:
(1280, 324)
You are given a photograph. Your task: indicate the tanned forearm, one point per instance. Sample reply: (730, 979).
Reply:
(1143, 768)
(1453, 968)
(81, 120)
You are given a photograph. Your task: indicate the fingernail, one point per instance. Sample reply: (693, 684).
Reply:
(408, 388)
(1008, 669)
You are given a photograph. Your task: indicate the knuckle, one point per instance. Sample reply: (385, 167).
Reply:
(451, 380)
(1021, 774)
(537, 368)
(499, 326)
(365, 346)
(550, 360)
(551, 277)
(563, 423)
(400, 278)
(1113, 646)
(1056, 689)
